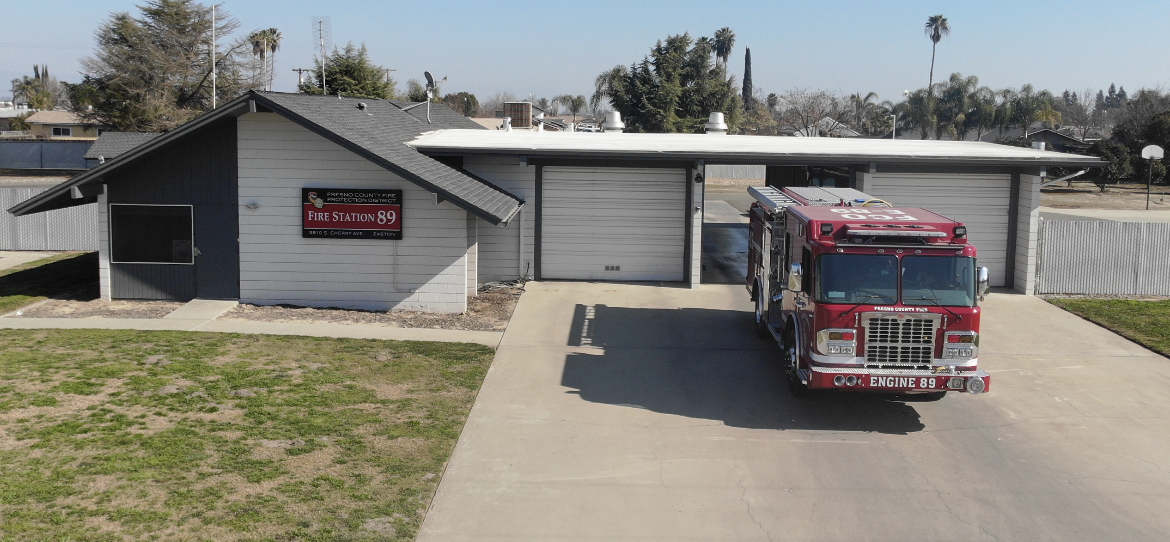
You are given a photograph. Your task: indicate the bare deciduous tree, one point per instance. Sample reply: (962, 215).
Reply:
(802, 110)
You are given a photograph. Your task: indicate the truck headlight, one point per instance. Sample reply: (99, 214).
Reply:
(837, 342)
(961, 345)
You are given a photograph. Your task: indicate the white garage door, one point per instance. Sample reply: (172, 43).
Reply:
(978, 200)
(613, 223)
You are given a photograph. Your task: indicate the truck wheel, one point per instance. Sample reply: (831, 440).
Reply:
(761, 315)
(933, 396)
(791, 364)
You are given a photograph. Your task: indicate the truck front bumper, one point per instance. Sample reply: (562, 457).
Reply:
(912, 381)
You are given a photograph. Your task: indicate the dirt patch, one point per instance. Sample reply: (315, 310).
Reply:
(1116, 196)
(489, 311)
(100, 308)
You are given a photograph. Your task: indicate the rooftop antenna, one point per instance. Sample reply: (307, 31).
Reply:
(322, 29)
(432, 86)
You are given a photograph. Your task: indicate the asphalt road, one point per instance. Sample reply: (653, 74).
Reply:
(633, 412)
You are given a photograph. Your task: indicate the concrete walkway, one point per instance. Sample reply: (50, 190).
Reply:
(13, 258)
(202, 315)
(623, 412)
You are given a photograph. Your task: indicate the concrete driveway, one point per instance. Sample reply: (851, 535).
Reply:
(628, 412)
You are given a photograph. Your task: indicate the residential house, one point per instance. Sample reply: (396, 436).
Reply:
(61, 125)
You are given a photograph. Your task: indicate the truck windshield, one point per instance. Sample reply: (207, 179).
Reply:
(938, 280)
(857, 278)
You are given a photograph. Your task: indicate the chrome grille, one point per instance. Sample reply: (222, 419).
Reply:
(894, 330)
(898, 341)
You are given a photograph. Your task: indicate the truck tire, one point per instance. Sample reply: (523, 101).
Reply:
(933, 396)
(761, 314)
(791, 364)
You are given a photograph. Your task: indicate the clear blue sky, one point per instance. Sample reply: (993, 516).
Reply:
(549, 48)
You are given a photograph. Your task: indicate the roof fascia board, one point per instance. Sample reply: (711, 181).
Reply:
(601, 162)
(117, 162)
(360, 151)
(755, 159)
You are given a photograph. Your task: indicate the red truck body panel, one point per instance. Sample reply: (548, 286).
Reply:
(920, 347)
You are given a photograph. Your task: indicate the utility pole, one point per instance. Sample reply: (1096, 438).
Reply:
(301, 74)
(388, 74)
(213, 56)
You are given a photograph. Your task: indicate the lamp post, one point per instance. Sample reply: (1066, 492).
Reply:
(1151, 153)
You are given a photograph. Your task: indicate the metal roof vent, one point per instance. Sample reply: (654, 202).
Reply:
(715, 124)
(613, 123)
(507, 125)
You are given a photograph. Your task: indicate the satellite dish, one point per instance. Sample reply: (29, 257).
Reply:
(430, 80)
(1152, 152)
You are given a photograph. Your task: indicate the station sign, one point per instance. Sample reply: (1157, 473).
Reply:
(334, 213)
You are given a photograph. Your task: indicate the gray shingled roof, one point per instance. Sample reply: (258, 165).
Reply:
(111, 144)
(377, 133)
(380, 133)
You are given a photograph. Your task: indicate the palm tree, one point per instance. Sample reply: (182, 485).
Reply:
(575, 104)
(274, 37)
(724, 42)
(936, 28)
(265, 43)
(862, 109)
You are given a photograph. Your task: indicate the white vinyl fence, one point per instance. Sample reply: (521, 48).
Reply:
(738, 172)
(1100, 257)
(73, 228)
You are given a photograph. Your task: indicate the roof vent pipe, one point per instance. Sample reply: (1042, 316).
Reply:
(715, 124)
(507, 125)
(613, 123)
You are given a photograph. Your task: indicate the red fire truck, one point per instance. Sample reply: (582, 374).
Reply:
(864, 296)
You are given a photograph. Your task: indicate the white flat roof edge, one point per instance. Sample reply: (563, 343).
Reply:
(742, 148)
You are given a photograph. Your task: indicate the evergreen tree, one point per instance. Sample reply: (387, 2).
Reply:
(463, 102)
(748, 102)
(349, 72)
(673, 89)
(153, 72)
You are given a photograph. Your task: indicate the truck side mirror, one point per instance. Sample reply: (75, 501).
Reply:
(982, 281)
(795, 277)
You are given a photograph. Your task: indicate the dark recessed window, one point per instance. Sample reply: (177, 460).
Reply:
(151, 234)
(63, 132)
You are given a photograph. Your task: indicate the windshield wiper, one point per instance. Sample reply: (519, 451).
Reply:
(935, 302)
(853, 308)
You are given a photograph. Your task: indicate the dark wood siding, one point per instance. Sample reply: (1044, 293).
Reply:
(152, 281)
(200, 170)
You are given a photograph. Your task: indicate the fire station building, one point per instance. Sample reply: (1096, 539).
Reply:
(374, 204)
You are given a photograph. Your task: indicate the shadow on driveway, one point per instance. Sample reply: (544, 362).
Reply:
(707, 364)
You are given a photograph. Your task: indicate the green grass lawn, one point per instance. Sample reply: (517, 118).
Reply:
(1144, 322)
(137, 435)
(26, 284)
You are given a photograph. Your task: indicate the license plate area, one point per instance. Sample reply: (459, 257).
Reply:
(932, 383)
